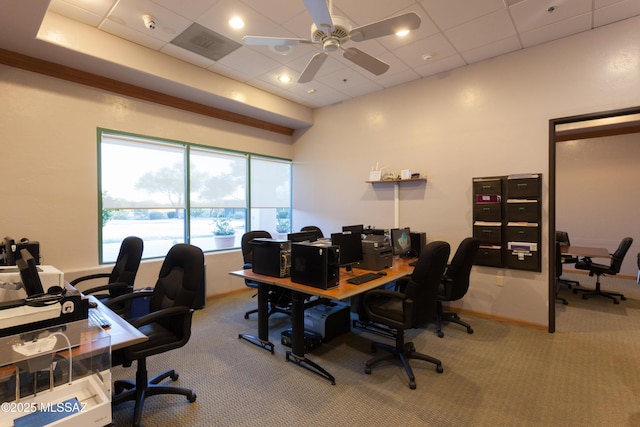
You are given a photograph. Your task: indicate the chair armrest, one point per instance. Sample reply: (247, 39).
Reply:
(379, 315)
(90, 277)
(115, 285)
(247, 266)
(160, 314)
(126, 297)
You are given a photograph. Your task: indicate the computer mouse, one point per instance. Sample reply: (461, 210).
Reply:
(382, 273)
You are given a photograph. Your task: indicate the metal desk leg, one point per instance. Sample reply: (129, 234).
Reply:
(296, 355)
(262, 340)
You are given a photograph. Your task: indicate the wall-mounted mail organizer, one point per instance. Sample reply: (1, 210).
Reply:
(507, 220)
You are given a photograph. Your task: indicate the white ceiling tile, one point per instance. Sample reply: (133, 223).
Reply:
(529, 15)
(217, 19)
(615, 11)
(91, 12)
(278, 11)
(445, 64)
(129, 14)
(452, 13)
(437, 46)
(190, 9)
(482, 31)
(185, 55)
(492, 50)
(390, 78)
(135, 36)
(557, 30)
(362, 12)
(248, 62)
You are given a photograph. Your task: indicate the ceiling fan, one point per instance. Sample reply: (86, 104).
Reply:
(331, 32)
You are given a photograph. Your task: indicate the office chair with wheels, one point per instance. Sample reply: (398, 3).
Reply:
(455, 283)
(120, 280)
(409, 309)
(562, 237)
(279, 298)
(600, 269)
(167, 326)
(558, 274)
(315, 229)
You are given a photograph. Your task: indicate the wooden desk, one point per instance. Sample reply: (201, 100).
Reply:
(584, 251)
(122, 333)
(400, 269)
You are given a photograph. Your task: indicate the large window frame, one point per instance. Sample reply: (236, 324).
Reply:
(168, 192)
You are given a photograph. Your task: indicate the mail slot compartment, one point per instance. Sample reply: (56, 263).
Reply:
(487, 211)
(488, 233)
(522, 233)
(523, 210)
(487, 186)
(523, 187)
(523, 260)
(490, 257)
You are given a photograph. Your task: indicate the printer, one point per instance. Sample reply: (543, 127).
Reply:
(377, 253)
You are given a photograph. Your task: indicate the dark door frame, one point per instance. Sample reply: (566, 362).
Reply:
(595, 130)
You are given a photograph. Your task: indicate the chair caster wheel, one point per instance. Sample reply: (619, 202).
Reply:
(439, 369)
(584, 296)
(412, 385)
(615, 301)
(469, 330)
(174, 377)
(623, 298)
(191, 398)
(367, 370)
(440, 334)
(246, 316)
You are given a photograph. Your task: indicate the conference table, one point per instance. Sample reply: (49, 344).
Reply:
(399, 269)
(585, 251)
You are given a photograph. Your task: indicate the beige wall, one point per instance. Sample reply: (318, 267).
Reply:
(489, 118)
(48, 148)
(596, 194)
(486, 119)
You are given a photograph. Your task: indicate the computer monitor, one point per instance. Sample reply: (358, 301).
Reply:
(302, 236)
(29, 273)
(8, 246)
(350, 248)
(401, 241)
(357, 229)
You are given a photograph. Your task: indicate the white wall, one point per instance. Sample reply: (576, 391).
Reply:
(596, 194)
(48, 147)
(486, 119)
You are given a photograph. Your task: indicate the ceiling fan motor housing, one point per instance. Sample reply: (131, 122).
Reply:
(340, 33)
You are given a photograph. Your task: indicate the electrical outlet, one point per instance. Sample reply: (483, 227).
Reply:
(500, 280)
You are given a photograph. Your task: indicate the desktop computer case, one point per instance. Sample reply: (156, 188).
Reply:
(315, 264)
(271, 257)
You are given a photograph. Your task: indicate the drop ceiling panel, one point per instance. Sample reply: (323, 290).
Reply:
(529, 15)
(616, 12)
(452, 13)
(557, 30)
(482, 31)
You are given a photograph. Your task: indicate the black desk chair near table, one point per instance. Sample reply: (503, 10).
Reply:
(455, 282)
(167, 326)
(412, 308)
(611, 269)
(558, 274)
(120, 280)
(279, 298)
(313, 228)
(562, 237)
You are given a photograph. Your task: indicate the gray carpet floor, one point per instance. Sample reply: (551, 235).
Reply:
(585, 374)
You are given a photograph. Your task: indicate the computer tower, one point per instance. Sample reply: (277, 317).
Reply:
(315, 264)
(271, 257)
(418, 241)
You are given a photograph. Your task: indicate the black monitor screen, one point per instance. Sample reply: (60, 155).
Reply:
(8, 246)
(350, 248)
(401, 241)
(357, 229)
(29, 273)
(303, 236)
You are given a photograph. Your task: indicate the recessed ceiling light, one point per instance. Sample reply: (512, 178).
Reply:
(402, 33)
(236, 22)
(283, 78)
(427, 56)
(311, 91)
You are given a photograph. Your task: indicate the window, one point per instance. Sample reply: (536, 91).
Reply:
(171, 192)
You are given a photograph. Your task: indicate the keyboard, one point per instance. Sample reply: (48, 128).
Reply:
(363, 278)
(96, 318)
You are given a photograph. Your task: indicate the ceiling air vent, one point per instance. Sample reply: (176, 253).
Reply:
(202, 41)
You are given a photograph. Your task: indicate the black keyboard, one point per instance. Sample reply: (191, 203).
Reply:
(96, 318)
(363, 278)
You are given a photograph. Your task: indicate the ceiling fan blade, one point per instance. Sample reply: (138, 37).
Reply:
(312, 67)
(366, 61)
(320, 14)
(272, 41)
(408, 21)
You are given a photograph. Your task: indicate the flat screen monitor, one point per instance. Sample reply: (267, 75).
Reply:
(357, 229)
(302, 236)
(350, 248)
(8, 246)
(401, 241)
(29, 273)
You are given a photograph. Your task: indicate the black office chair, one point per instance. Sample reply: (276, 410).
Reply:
(121, 279)
(279, 299)
(167, 326)
(455, 283)
(562, 237)
(599, 269)
(558, 274)
(412, 308)
(315, 229)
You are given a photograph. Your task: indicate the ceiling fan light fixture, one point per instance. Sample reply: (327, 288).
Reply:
(281, 49)
(283, 78)
(236, 22)
(402, 33)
